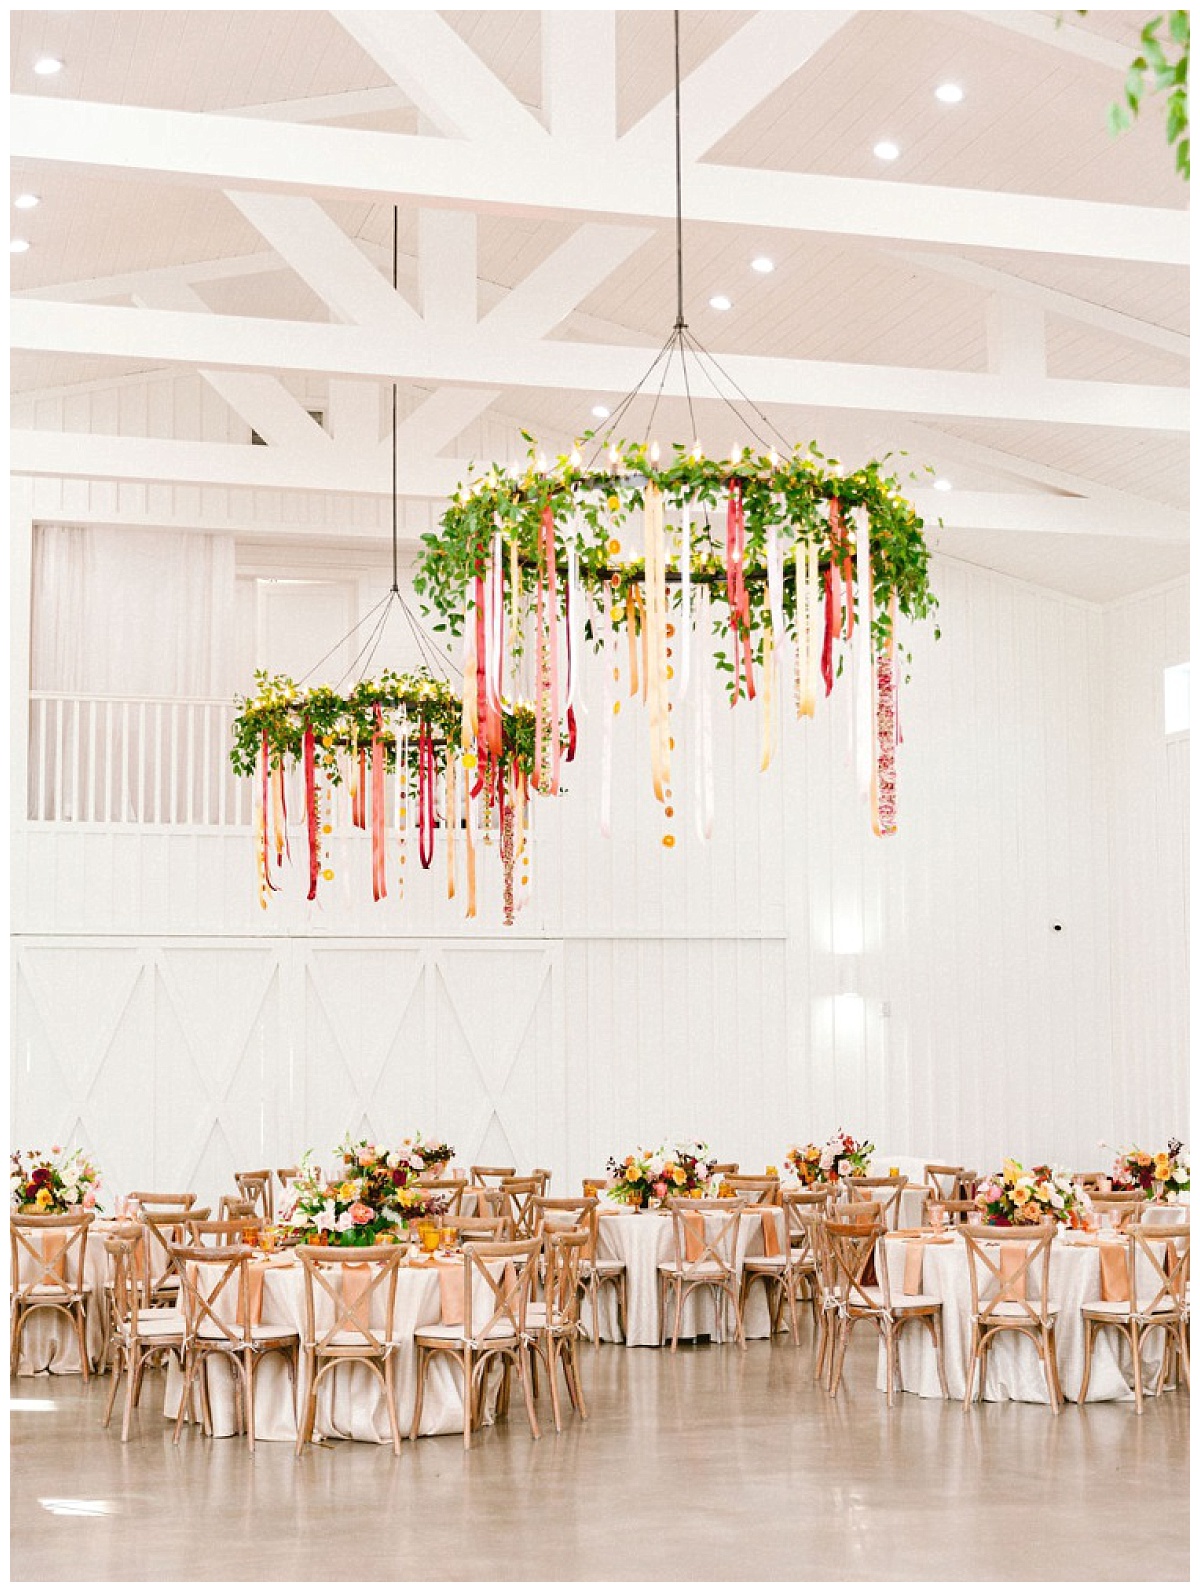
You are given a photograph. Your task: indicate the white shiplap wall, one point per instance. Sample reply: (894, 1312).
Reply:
(1148, 865)
(793, 976)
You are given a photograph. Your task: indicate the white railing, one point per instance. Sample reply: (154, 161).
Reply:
(133, 760)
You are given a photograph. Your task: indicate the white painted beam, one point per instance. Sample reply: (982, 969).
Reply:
(1048, 298)
(736, 78)
(447, 267)
(579, 76)
(262, 401)
(434, 424)
(441, 74)
(244, 342)
(328, 107)
(79, 454)
(563, 280)
(354, 415)
(316, 248)
(548, 178)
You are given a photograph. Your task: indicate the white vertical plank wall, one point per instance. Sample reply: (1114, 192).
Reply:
(792, 976)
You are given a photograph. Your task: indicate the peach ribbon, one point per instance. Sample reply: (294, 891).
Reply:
(766, 1214)
(1114, 1274)
(914, 1265)
(450, 1288)
(693, 1234)
(656, 643)
(1012, 1258)
(54, 1260)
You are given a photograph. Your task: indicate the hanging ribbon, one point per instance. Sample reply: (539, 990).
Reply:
(827, 642)
(426, 807)
(311, 815)
(452, 820)
(507, 855)
(864, 662)
(656, 641)
(378, 810)
(886, 728)
(685, 603)
(608, 654)
(735, 591)
(547, 746)
(703, 715)
(808, 634)
(469, 805)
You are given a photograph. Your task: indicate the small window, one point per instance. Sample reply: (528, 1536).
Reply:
(1177, 699)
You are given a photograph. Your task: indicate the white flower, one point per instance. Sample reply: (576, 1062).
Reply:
(326, 1219)
(845, 1168)
(344, 1222)
(827, 1159)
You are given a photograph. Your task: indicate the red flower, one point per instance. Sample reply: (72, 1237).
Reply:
(42, 1175)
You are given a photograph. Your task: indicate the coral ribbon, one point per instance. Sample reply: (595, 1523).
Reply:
(451, 821)
(378, 810)
(827, 645)
(547, 746)
(310, 811)
(735, 590)
(425, 795)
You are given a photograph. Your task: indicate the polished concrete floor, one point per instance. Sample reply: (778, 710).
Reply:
(708, 1465)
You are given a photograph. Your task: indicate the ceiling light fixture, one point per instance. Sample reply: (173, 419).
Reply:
(720, 302)
(26, 201)
(47, 66)
(948, 93)
(886, 150)
(762, 265)
(19, 246)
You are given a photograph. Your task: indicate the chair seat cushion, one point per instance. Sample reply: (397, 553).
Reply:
(605, 1268)
(1016, 1312)
(442, 1334)
(707, 1270)
(900, 1302)
(157, 1324)
(259, 1333)
(1119, 1308)
(764, 1262)
(47, 1293)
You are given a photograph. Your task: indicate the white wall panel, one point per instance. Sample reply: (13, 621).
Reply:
(792, 976)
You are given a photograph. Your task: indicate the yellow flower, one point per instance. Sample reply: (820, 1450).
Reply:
(1020, 1194)
(1012, 1170)
(44, 1197)
(679, 1176)
(1162, 1167)
(347, 1191)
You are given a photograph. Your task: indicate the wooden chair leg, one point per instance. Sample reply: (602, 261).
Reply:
(1051, 1363)
(678, 1285)
(971, 1364)
(81, 1333)
(420, 1398)
(839, 1358)
(249, 1363)
(1090, 1329)
(389, 1393)
(112, 1392)
(552, 1358)
(1135, 1344)
(523, 1374)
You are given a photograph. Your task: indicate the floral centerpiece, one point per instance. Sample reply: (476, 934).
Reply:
(1017, 1198)
(683, 1172)
(428, 1155)
(373, 1200)
(49, 1185)
(1167, 1171)
(840, 1156)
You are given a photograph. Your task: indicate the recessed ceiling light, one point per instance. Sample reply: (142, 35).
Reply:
(26, 201)
(720, 302)
(948, 93)
(600, 412)
(887, 150)
(763, 265)
(18, 246)
(942, 485)
(47, 65)
(77, 1506)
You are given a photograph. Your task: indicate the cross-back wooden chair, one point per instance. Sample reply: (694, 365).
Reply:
(704, 1258)
(49, 1273)
(725, 1169)
(783, 1271)
(1157, 1270)
(1119, 1210)
(1089, 1181)
(795, 1202)
(553, 1327)
(754, 1190)
(496, 1289)
(1011, 1295)
(163, 1232)
(594, 1185)
(957, 1211)
(946, 1182)
(216, 1297)
(596, 1271)
(259, 1188)
(491, 1176)
(451, 1189)
(885, 1190)
(815, 1220)
(152, 1202)
(140, 1333)
(341, 1287)
(519, 1195)
(542, 1175)
(851, 1247)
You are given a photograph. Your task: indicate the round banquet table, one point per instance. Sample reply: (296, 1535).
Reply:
(350, 1400)
(1014, 1368)
(643, 1239)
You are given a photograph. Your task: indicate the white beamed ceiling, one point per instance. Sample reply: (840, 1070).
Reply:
(1032, 123)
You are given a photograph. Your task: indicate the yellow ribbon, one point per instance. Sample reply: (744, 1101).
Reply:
(654, 638)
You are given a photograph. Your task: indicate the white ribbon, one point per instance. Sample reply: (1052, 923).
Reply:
(702, 720)
(608, 654)
(685, 603)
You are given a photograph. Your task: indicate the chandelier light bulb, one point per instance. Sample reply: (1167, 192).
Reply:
(654, 453)
(697, 450)
(47, 65)
(26, 201)
(612, 457)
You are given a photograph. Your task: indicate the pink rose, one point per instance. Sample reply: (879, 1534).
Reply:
(360, 1214)
(89, 1199)
(367, 1157)
(56, 1149)
(660, 1191)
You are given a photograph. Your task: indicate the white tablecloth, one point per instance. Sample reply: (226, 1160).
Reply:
(1014, 1368)
(641, 1240)
(350, 1401)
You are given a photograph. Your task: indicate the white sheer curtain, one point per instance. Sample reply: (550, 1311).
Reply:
(138, 616)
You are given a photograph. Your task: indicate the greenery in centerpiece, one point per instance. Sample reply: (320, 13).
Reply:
(52, 1184)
